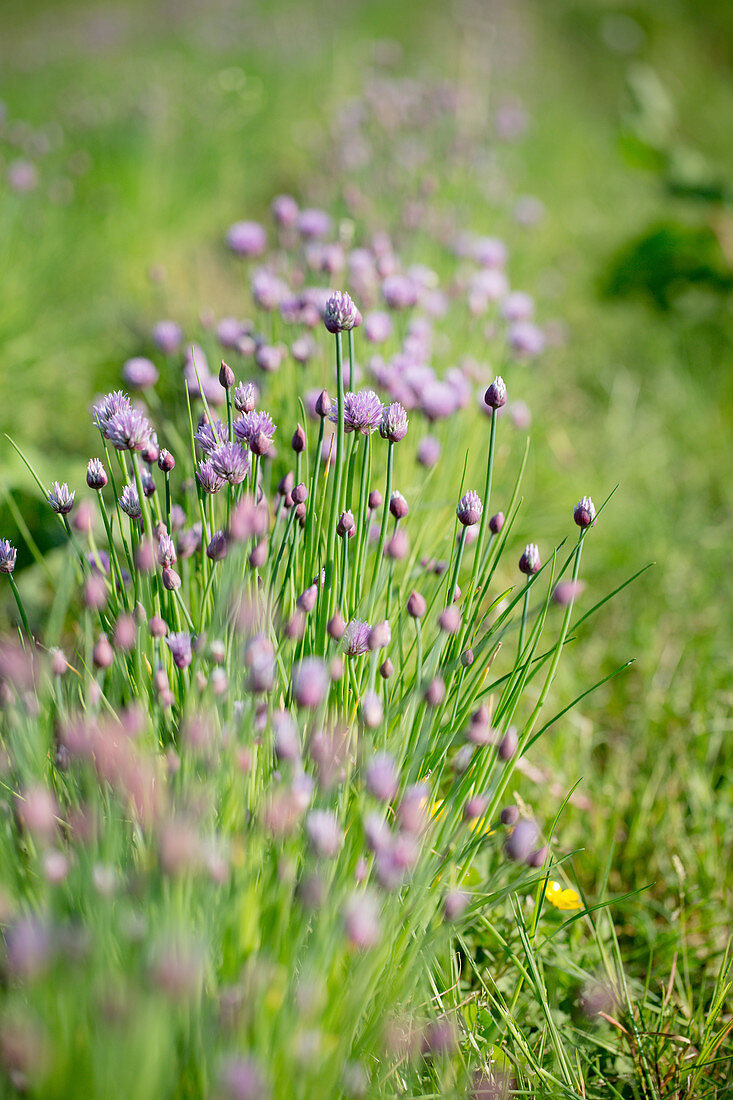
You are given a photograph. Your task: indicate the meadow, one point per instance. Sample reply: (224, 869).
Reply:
(254, 859)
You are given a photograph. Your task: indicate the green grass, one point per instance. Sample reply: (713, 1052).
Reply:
(192, 122)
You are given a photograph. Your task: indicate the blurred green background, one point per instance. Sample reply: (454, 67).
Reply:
(152, 126)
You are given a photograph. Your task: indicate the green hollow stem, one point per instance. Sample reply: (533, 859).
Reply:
(486, 509)
(523, 627)
(361, 523)
(338, 480)
(456, 568)
(310, 517)
(351, 358)
(385, 518)
(168, 500)
(21, 609)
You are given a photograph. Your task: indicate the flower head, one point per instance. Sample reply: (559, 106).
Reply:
(166, 550)
(130, 502)
(96, 474)
(362, 412)
(180, 647)
(495, 395)
(246, 239)
(128, 430)
(394, 423)
(210, 435)
(245, 397)
(469, 508)
(340, 314)
(584, 513)
(167, 337)
(356, 638)
(231, 462)
(7, 556)
(111, 403)
(250, 426)
(61, 498)
(529, 562)
(139, 373)
(208, 479)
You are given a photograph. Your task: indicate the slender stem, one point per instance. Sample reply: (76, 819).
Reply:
(21, 609)
(523, 627)
(351, 358)
(487, 505)
(168, 500)
(338, 480)
(418, 630)
(385, 517)
(457, 568)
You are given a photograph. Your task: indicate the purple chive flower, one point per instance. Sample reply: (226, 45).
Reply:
(380, 635)
(167, 337)
(469, 508)
(361, 920)
(231, 462)
(96, 474)
(128, 430)
(166, 550)
(394, 423)
(61, 498)
(302, 349)
(324, 833)
(130, 502)
(526, 338)
(226, 376)
(311, 682)
(313, 223)
(245, 397)
(241, 1079)
(284, 210)
(398, 506)
(7, 556)
(362, 412)
(340, 314)
(217, 548)
(267, 290)
(139, 373)
(529, 562)
(567, 591)
(246, 239)
(208, 478)
(180, 647)
(356, 638)
(520, 843)
(268, 358)
(496, 523)
(495, 395)
(584, 513)
(428, 452)
(416, 605)
(377, 327)
(210, 436)
(382, 777)
(109, 406)
(346, 525)
(251, 426)
(517, 306)
(399, 291)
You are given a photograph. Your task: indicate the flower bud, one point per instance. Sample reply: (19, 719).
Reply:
(323, 404)
(398, 506)
(386, 669)
(529, 563)
(166, 461)
(103, 654)
(299, 493)
(226, 376)
(495, 395)
(585, 513)
(496, 523)
(416, 605)
(375, 500)
(298, 440)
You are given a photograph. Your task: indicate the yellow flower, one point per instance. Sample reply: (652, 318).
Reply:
(562, 899)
